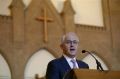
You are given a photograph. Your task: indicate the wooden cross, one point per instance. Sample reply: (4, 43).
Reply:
(45, 19)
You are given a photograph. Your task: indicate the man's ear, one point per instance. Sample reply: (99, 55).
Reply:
(61, 46)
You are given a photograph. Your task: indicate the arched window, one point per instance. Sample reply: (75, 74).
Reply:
(4, 69)
(37, 64)
(92, 63)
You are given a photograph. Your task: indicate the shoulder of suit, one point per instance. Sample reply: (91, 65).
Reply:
(55, 60)
(81, 62)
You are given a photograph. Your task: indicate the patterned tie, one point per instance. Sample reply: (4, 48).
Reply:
(74, 63)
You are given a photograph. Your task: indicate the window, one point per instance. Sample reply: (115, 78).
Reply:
(37, 64)
(4, 69)
(92, 63)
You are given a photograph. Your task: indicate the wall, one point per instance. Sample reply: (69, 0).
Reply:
(115, 27)
(88, 12)
(103, 40)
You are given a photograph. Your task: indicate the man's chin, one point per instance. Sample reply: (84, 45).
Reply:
(73, 53)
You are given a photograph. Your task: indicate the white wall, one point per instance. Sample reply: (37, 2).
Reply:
(37, 64)
(88, 12)
(4, 4)
(4, 69)
(26, 2)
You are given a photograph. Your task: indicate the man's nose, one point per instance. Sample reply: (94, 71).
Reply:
(71, 44)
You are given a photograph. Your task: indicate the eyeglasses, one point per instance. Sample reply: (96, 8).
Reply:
(73, 42)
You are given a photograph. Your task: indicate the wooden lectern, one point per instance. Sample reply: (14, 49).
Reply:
(91, 74)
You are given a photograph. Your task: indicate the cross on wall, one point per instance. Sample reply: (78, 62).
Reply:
(45, 19)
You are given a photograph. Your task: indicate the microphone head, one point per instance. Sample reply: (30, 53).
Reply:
(83, 51)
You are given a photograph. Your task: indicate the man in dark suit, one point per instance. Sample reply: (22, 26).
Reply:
(57, 68)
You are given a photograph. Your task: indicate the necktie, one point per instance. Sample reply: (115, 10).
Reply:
(74, 63)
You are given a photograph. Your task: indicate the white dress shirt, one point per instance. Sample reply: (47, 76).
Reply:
(69, 61)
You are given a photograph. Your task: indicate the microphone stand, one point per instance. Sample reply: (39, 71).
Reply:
(99, 67)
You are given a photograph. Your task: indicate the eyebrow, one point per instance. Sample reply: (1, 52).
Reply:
(73, 40)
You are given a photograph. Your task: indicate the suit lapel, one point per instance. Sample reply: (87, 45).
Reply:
(81, 64)
(65, 64)
(78, 62)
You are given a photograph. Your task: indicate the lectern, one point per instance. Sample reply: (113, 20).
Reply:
(91, 74)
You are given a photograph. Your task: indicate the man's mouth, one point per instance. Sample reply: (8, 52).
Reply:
(72, 49)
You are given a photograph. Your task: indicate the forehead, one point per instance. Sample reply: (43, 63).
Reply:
(71, 37)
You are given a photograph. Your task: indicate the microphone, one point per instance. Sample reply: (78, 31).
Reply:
(99, 67)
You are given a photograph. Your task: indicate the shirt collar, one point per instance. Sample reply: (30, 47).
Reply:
(68, 58)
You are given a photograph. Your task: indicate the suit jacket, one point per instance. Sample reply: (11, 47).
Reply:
(57, 68)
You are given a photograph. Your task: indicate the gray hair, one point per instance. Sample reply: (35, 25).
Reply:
(69, 33)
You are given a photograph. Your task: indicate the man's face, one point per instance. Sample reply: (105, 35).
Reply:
(70, 45)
